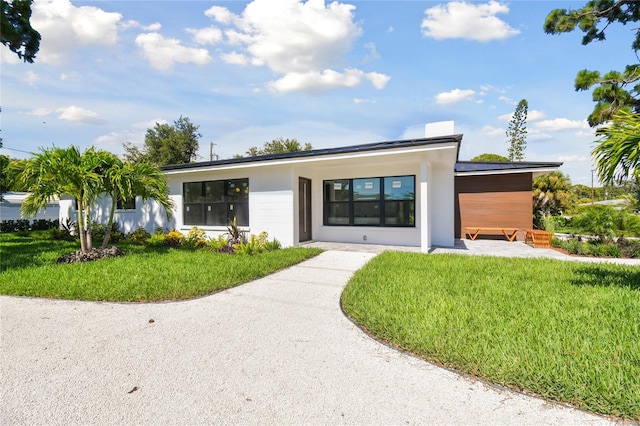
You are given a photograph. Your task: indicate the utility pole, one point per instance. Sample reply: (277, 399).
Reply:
(211, 154)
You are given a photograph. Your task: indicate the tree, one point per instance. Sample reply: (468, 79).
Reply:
(614, 90)
(490, 158)
(4, 177)
(278, 146)
(165, 144)
(16, 31)
(517, 132)
(551, 196)
(617, 154)
(59, 171)
(124, 180)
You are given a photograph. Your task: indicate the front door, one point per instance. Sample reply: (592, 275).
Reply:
(304, 209)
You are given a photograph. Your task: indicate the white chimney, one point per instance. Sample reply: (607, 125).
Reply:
(440, 128)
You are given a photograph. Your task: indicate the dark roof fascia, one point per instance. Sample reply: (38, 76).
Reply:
(323, 152)
(463, 167)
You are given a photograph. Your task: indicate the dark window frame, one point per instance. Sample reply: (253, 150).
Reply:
(208, 208)
(405, 205)
(126, 204)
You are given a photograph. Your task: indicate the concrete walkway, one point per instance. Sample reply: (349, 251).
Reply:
(274, 351)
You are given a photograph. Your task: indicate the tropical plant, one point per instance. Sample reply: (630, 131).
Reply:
(551, 196)
(196, 238)
(58, 171)
(128, 180)
(618, 151)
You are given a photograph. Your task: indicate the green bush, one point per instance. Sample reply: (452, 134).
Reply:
(139, 236)
(174, 239)
(196, 238)
(220, 244)
(156, 240)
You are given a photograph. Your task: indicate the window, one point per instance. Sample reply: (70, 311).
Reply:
(380, 201)
(216, 202)
(126, 204)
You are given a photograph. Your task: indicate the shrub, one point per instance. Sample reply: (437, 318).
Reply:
(44, 224)
(156, 240)
(64, 231)
(220, 244)
(139, 236)
(257, 244)
(196, 238)
(174, 239)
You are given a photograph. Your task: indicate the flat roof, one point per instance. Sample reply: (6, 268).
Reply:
(479, 167)
(406, 143)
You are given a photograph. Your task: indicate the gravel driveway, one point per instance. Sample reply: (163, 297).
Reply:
(274, 351)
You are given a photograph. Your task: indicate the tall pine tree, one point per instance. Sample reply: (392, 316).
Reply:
(517, 132)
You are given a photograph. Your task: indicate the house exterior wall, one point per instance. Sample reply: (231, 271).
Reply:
(502, 200)
(271, 200)
(359, 234)
(441, 205)
(148, 215)
(12, 202)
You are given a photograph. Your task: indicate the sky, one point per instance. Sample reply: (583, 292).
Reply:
(326, 73)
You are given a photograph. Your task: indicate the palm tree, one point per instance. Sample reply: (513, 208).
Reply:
(59, 171)
(128, 180)
(618, 153)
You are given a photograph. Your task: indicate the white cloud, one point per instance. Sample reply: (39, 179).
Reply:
(134, 134)
(492, 131)
(162, 53)
(455, 96)
(209, 35)
(156, 26)
(65, 27)
(235, 58)
(574, 158)
(532, 116)
(79, 115)
(302, 41)
(220, 14)
(31, 78)
(8, 57)
(558, 124)
(313, 81)
(359, 101)
(459, 19)
(373, 52)
(40, 112)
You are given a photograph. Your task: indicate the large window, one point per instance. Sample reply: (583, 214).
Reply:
(380, 201)
(216, 202)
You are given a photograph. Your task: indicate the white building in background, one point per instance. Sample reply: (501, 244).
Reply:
(12, 201)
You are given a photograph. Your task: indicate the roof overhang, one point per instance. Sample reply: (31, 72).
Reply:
(470, 168)
(409, 148)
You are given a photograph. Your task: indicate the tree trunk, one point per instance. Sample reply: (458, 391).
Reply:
(88, 234)
(81, 230)
(107, 232)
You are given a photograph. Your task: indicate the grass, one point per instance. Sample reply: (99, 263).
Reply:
(144, 274)
(563, 330)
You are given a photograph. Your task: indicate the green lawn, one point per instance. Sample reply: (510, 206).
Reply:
(144, 274)
(566, 331)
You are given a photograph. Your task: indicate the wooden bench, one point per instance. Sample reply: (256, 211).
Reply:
(538, 238)
(473, 231)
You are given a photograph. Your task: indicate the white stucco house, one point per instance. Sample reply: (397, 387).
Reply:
(12, 202)
(396, 193)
